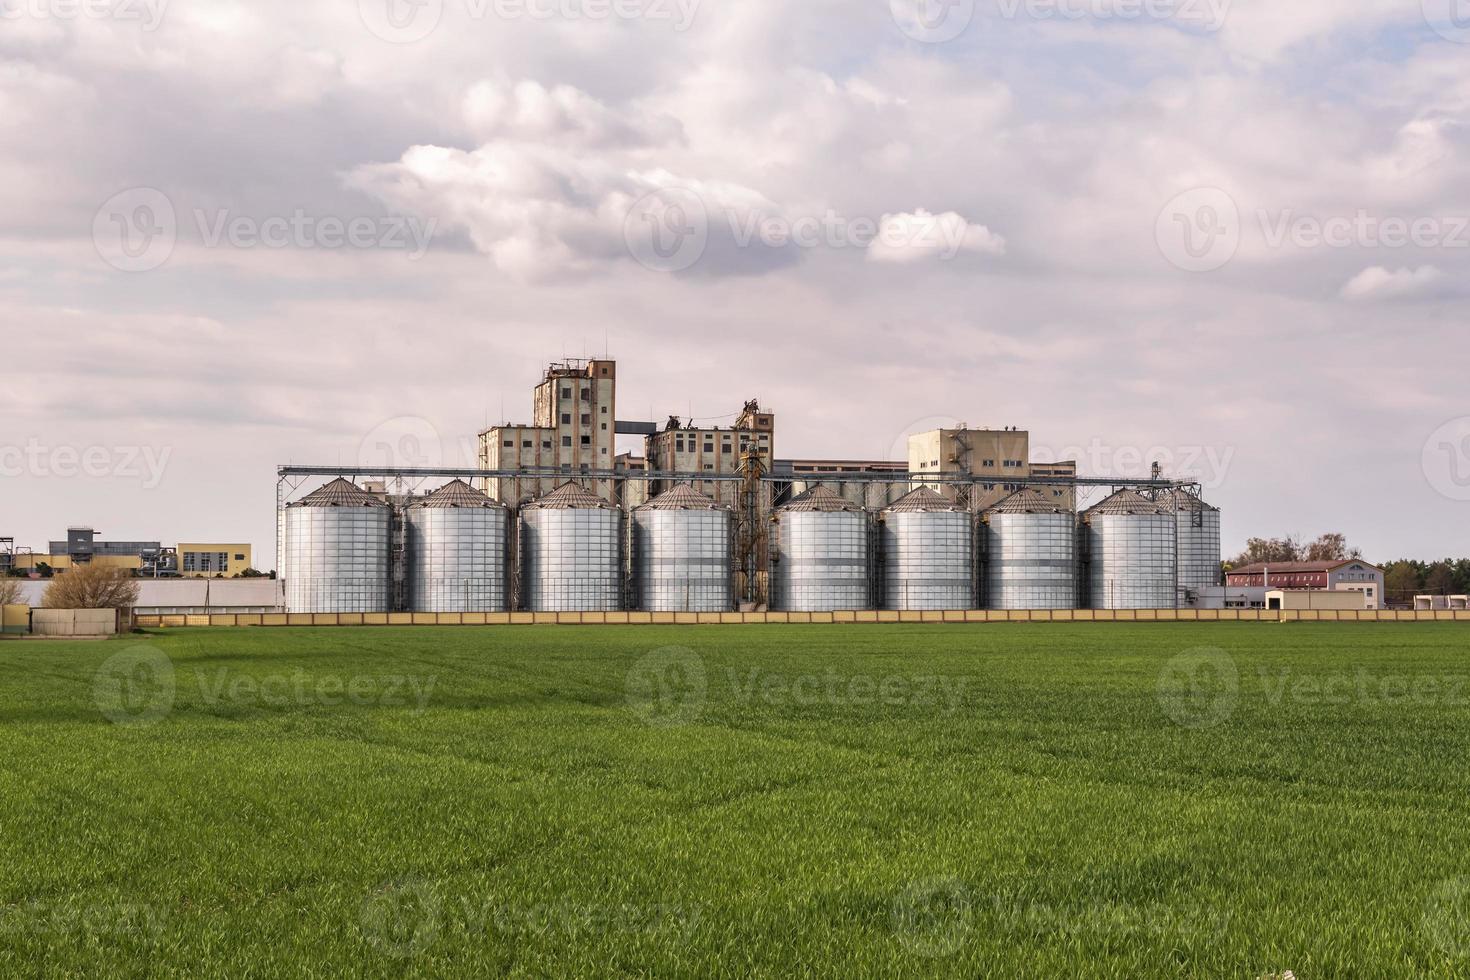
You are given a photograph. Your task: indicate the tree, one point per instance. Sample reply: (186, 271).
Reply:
(1269, 550)
(10, 592)
(1332, 547)
(92, 587)
(252, 573)
(1401, 581)
(1440, 580)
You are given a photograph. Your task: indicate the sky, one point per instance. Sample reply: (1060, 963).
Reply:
(1230, 236)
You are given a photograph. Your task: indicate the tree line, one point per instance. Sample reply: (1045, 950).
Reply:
(1402, 579)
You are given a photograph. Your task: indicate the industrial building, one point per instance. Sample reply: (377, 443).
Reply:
(147, 559)
(711, 519)
(1354, 575)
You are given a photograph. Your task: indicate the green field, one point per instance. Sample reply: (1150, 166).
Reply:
(1221, 800)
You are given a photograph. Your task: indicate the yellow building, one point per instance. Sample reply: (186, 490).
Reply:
(211, 560)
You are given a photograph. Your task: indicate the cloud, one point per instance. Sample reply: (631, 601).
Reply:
(528, 110)
(913, 237)
(1377, 282)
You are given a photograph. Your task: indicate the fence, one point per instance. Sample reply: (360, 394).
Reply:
(761, 618)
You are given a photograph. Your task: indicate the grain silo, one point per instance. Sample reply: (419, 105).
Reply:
(682, 544)
(1130, 547)
(927, 544)
(456, 544)
(1030, 554)
(1198, 527)
(571, 553)
(337, 551)
(819, 560)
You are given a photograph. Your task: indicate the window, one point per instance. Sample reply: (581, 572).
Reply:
(545, 443)
(709, 447)
(586, 419)
(566, 418)
(604, 410)
(510, 444)
(586, 394)
(725, 448)
(586, 440)
(526, 444)
(242, 558)
(604, 427)
(566, 441)
(566, 392)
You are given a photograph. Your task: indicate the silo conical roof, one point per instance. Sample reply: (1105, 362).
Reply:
(923, 499)
(341, 492)
(681, 497)
(820, 498)
(1126, 502)
(455, 494)
(570, 496)
(1028, 502)
(1183, 501)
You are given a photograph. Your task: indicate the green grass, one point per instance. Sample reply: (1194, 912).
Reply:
(1007, 801)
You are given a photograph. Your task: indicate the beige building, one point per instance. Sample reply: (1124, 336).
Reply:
(573, 430)
(999, 458)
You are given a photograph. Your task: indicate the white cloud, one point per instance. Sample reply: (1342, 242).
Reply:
(1377, 282)
(912, 237)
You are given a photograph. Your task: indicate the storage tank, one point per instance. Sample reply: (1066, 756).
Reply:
(928, 547)
(456, 542)
(1030, 553)
(571, 553)
(1131, 549)
(682, 553)
(819, 560)
(337, 551)
(1199, 542)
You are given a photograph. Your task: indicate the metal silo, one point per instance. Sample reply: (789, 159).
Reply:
(456, 538)
(820, 555)
(682, 553)
(1131, 548)
(1199, 542)
(928, 553)
(337, 552)
(571, 552)
(1031, 554)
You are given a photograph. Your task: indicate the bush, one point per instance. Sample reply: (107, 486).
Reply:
(92, 587)
(10, 592)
